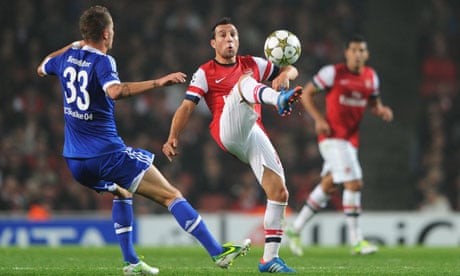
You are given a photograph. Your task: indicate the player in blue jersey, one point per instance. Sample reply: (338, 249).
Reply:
(97, 155)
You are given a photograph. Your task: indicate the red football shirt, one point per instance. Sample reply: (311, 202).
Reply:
(214, 81)
(347, 95)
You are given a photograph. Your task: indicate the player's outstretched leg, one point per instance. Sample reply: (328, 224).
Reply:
(189, 219)
(286, 98)
(231, 252)
(140, 268)
(253, 92)
(276, 265)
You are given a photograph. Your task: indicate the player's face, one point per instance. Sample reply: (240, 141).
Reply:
(226, 43)
(356, 55)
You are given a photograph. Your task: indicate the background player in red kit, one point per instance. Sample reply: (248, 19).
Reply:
(231, 86)
(349, 88)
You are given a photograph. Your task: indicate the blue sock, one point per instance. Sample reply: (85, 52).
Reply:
(189, 219)
(122, 216)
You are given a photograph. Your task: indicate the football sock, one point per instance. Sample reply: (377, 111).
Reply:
(274, 216)
(257, 93)
(189, 219)
(122, 216)
(316, 200)
(351, 202)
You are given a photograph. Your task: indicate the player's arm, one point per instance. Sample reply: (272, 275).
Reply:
(378, 109)
(76, 44)
(179, 121)
(321, 125)
(286, 74)
(127, 89)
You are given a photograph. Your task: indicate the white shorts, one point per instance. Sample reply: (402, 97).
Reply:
(341, 160)
(242, 137)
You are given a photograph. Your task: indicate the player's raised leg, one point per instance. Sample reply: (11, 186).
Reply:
(286, 99)
(257, 93)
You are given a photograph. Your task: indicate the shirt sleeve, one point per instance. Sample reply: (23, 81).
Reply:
(198, 86)
(325, 77)
(50, 65)
(267, 70)
(106, 70)
(376, 82)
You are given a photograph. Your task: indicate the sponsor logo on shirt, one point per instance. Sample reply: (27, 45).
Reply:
(219, 80)
(352, 101)
(78, 115)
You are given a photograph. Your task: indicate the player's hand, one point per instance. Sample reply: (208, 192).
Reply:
(322, 127)
(382, 111)
(280, 82)
(386, 114)
(170, 79)
(170, 149)
(78, 44)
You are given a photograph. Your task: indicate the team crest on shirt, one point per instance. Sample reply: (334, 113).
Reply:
(368, 83)
(356, 94)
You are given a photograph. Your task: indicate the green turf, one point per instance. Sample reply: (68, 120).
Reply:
(194, 261)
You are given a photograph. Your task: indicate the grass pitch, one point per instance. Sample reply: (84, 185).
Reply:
(194, 261)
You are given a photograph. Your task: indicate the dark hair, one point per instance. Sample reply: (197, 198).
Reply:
(222, 21)
(354, 38)
(93, 22)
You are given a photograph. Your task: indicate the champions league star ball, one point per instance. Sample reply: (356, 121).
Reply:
(282, 48)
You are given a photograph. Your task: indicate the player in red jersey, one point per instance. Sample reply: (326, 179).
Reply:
(349, 88)
(231, 86)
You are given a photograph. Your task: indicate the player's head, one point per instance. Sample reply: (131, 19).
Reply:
(96, 26)
(225, 40)
(356, 52)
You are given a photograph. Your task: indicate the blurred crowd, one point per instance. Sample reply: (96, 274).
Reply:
(437, 174)
(153, 38)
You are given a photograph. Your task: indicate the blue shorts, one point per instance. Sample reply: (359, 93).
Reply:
(125, 168)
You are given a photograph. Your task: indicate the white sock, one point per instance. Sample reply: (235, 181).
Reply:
(316, 200)
(273, 219)
(257, 93)
(351, 202)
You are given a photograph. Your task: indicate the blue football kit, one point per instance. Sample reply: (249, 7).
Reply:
(97, 156)
(95, 153)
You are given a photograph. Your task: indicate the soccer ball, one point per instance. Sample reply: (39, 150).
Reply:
(282, 47)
